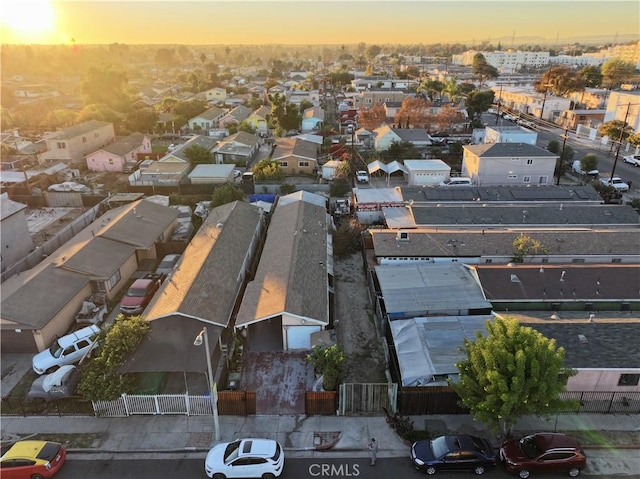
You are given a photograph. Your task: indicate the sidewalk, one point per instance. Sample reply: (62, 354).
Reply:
(191, 437)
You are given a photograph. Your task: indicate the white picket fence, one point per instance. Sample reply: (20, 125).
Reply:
(143, 404)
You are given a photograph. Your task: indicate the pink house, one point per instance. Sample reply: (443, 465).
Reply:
(118, 155)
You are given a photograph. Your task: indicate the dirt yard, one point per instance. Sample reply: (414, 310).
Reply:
(355, 329)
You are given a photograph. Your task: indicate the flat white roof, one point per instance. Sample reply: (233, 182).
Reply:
(426, 165)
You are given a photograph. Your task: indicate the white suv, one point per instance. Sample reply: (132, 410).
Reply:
(258, 458)
(362, 176)
(68, 349)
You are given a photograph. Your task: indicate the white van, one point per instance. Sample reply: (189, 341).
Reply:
(68, 349)
(457, 181)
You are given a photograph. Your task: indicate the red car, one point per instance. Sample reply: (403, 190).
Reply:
(543, 452)
(139, 294)
(31, 460)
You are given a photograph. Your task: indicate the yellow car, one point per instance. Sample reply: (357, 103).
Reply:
(31, 460)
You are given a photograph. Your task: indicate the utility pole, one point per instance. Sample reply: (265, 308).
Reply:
(561, 166)
(499, 100)
(624, 127)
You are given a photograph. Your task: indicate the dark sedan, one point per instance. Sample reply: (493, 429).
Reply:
(59, 384)
(453, 453)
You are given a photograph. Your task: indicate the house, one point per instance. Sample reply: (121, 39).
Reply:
(508, 164)
(561, 287)
(426, 172)
(241, 147)
(116, 156)
(215, 95)
(312, 119)
(418, 137)
(290, 295)
(179, 154)
(391, 109)
(330, 169)
(572, 119)
(235, 116)
(496, 246)
(509, 134)
(71, 145)
(259, 119)
(203, 291)
(207, 174)
(161, 173)
(372, 96)
(369, 202)
(296, 156)
(385, 136)
(15, 240)
(41, 303)
(206, 120)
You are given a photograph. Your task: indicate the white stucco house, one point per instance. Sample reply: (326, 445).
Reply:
(426, 172)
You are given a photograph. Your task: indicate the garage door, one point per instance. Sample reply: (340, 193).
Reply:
(299, 337)
(13, 342)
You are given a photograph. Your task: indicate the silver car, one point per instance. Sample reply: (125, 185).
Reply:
(59, 384)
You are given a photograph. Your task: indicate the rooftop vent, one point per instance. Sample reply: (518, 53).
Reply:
(515, 279)
(583, 339)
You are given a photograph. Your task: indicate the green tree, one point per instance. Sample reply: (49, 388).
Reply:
(525, 245)
(431, 87)
(560, 81)
(589, 162)
(226, 194)
(615, 72)
(107, 86)
(198, 154)
(482, 69)
(189, 109)
(100, 379)
(554, 146)
(513, 371)
(478, 102)
(268, 170)
(143, 120)
(591, 76)
(327, 361)
(373, 51)
(100, 112)
(616, 130)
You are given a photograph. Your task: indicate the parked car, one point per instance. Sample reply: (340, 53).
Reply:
(362, 176)
(543, 452)
(254, 458)
(632, 160)
(68, 349)
(457, 181)
(31, 459)
(453, 453)
(140, 293)
(575, 166)
(615, 182)
(167, 264)
(183, 232)
(59, 384)
(184, 213)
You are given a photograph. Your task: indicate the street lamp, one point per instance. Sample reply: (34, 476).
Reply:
(200, 338)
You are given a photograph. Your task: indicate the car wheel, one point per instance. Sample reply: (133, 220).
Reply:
(219, 475)
(431, 470)
(37, 476)
(574, 472)
(268, 475)
(524, 473)
(479, 470)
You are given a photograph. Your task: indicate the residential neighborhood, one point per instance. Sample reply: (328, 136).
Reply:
(327, 232)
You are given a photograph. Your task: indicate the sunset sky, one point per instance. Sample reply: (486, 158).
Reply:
(314, 22)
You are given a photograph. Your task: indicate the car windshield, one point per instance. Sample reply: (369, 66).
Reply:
(231, 452)
(439, 446)
(137, 292)
(56, 349)
(276, 456)
(529, 447)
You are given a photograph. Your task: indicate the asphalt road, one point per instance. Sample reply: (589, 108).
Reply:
(159, 468)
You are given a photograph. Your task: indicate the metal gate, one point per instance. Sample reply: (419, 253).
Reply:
(370, 398)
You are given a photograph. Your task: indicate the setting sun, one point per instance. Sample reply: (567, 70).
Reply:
(27, 21)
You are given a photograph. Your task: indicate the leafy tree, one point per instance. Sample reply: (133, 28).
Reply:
(616, 130)
(189, 109)
(451, 89)
(373, 117)
(304, 104)
(567, 155)
(432, 87)
(255, 103)
(589, 162)
(447, 117)
(635, 140)
(106, 85)
(373, 51)
(60, 118)
(100, 112)
(100, 379)
(591, 76)
(198, 154)
(415, 112)
(246, 126)
(554, 146)
(478, 102)
(525, 245)
(402, 150)
(268, 169)
(482, 69)
(143, 120)
(560, 81)
(512, 372)
(615, 72)
(327, 361)
(226, 194)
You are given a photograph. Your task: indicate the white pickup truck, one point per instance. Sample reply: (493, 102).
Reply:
(616, 183)
(632, 160)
